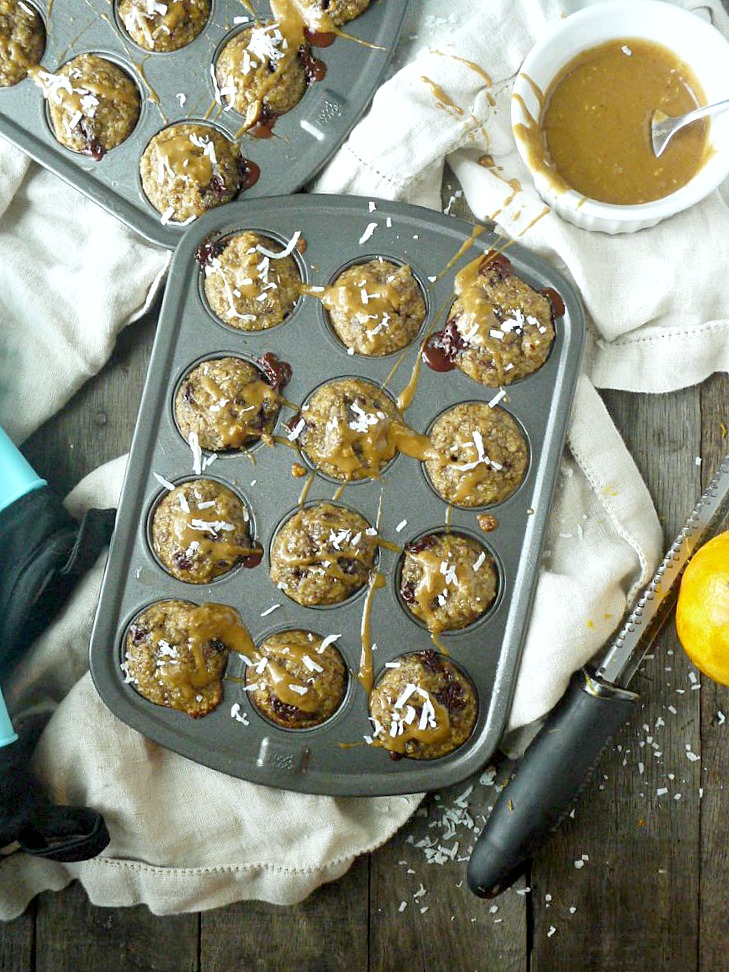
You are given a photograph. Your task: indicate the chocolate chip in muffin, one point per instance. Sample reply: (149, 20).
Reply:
(422, 707)
(93, 104)
(323, 554)
(189, 168)
(299, 679)
(447, 580)
(375, 308)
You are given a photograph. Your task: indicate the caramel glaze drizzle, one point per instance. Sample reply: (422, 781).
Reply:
(372, 302)
(229, 418)
(429, 736)
(471, 64)
(179, 155)
(209, 543)
(281, 680)
(347, 551)
(432, 583)
(72, 99)
(444, 100)
(366, 673)
(377, 445)
(220, 624)
(215, 623)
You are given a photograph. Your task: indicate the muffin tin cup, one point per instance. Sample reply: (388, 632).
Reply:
(303, 139)
(334, 758)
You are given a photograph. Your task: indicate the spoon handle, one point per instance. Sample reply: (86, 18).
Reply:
(703, 111)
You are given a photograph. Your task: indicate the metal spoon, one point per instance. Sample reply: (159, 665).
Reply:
(663, 127)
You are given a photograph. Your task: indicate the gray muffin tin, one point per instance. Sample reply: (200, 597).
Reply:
(303, 139)
(333, 758)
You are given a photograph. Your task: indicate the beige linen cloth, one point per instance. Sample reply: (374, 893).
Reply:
(184, 837)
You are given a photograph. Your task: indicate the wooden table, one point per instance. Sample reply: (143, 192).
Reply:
(637, 883)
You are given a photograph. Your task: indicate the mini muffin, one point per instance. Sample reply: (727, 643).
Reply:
(376, 307)
(188, 169)
(447, 580)
(260, 74)
(295, 683)
(321, 14)
(351, 429)
(22, 40)
(93, 105)
(504, 326)
(200, 530)
(323, 554)
(482, 455)
(423, 708)
(166, 26)
(247, 288)
(175, 653)
(228, 404)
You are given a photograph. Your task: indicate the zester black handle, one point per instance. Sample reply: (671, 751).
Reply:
(547, 781)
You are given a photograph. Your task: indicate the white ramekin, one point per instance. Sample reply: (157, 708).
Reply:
(693, 40)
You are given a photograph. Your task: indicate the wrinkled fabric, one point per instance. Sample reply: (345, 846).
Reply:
(185, 837)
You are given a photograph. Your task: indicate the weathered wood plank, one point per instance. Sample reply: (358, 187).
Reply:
(423, 917)
(97, 424)
(17, 942)
(628, 864)
(74, 936)
(713, 945)
(325, 933)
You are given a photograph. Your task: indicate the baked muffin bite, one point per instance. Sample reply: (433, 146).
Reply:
(350, 429)
(163, 26)
(244, 286)
(322, 14)
(93, 104)
(447, 580)
(423, 708)
(504, 328)
(200, 530)
(482, 456)
(175, 653)
(260, 74)
(323, 554)
(189, 168)
(22, 40)
(375, 308)
(296, 682)
(228, 404)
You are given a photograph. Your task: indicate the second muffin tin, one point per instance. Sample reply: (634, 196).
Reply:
(334, 757)
(178, 86)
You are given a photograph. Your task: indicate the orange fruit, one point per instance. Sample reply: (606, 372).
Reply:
(702, 611)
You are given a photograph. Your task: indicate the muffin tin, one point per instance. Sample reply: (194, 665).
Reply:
(334, 757)
(303, 139)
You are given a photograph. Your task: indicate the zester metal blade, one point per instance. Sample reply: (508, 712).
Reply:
(628, 648)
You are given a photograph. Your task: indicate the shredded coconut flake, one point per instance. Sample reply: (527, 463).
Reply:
(163, 482)
(288, 249)
(371, 227)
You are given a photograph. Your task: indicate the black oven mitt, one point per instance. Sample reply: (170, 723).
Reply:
(44, 551)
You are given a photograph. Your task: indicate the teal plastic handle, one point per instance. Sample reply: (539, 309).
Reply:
(7, 733)
(17, 476)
